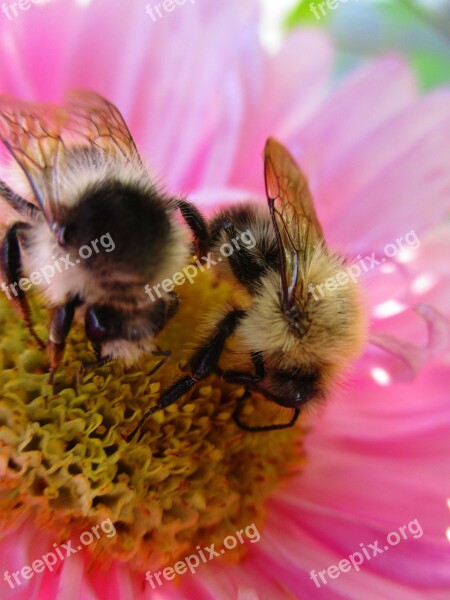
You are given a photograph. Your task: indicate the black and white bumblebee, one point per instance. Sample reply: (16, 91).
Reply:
(76, 177)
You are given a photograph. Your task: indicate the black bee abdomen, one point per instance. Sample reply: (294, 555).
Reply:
(136, 220)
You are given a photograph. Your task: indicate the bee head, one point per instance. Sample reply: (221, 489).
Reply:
(318, 334)
(293, 387)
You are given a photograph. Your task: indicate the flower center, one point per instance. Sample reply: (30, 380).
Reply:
(191, 478)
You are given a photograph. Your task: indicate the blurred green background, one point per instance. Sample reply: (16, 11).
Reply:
(419, 29)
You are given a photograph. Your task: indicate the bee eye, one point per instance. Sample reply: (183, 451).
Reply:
(61, 236)
(97, 324)
(103, 323)
(299, 399)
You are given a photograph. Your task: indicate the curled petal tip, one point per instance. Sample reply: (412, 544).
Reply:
(438, 328)
(416, 357)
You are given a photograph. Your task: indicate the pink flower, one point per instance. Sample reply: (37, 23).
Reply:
(201, 96)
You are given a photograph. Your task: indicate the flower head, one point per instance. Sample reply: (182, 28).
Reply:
(376, 155)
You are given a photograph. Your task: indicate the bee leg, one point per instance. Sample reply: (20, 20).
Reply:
(60, 325)
(165, 357)
(238, 377)
(202, 364)
(248, 379)
(206, 358)
(92, 365)
(160, 352)
(196, 224)
(242, 377)
(11, 262)
(169, 307)
(275, 427)
(97, 350)
(101, 360)
(178, 389)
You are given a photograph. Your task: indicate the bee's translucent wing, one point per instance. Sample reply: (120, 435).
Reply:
(97, 120)
(294, 218)
(37, 136)
(32, 134)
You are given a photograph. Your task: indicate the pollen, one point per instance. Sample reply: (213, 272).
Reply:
(191, 478)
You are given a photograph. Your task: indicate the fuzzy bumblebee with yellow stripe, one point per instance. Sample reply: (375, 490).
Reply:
(293, 345)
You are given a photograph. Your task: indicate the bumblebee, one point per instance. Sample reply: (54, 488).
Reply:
(77, 181)
(298, 343)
